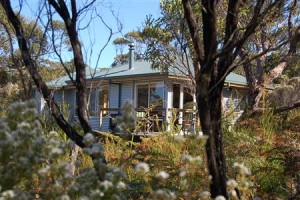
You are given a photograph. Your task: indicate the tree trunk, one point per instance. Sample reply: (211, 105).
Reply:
(256, 90)
(210, 110)
(31, 66)
(257, 85)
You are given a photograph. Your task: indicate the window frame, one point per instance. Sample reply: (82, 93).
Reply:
(149, 84)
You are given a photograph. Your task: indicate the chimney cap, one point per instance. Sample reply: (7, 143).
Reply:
(131, 44)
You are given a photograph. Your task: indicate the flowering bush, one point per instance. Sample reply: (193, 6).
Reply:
(36, 164)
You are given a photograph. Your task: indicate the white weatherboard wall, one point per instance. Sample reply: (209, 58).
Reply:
(70, 99)
(114, 97)
(94, 122)
(126, 94)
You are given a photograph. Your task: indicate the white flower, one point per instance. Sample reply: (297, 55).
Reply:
(57, 151)
(190, 159)
(97, 193)
(162, 175)
(53, 133)
(198, 159)
(142, 168)
(231, 184)
(232, 193)
(8, 194)
(179, 138)
(182, 173)
(44, 170)
(65, 197)
(23, 125)
(220, 197)
(205, 195)
(242, 169)
(88, 139)
(121, 185)
(161, 194)
(172, 195)
(187, 158)
(106, 184)
(83, 198)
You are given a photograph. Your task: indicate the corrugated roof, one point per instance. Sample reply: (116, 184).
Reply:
(139, 69)
(59, 82)
(236, 78)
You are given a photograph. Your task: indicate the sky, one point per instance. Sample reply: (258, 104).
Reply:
(131, 14)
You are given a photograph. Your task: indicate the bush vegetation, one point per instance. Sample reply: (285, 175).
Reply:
(262, 155)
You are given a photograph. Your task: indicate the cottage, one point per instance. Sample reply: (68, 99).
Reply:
(137, 84)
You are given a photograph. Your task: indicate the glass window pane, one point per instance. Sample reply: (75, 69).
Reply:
(142, 96)
(156, 95)
(176, 96)
(188, 101)
(103, 101)
(92, 103)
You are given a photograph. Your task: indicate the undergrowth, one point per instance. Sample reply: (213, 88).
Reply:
(35, 164)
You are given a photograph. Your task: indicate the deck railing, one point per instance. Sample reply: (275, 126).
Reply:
(185, 118)
(153, 119)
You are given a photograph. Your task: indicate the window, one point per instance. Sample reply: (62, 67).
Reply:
(188, 100)
(150, 95)
(156, 95)
(176, 95)
(142, 96)
(103, 101)
(92, 102)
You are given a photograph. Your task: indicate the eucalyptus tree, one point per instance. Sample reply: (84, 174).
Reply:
(273, 48)
(215, 54)
(120, 43)
(206, 38)
(74, 16)
(10, 56)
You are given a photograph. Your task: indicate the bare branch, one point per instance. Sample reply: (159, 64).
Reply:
(70, 74)
(41, 86)
(189, 15)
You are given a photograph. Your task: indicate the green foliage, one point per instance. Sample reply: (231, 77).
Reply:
(25, 152)
(135, 37)
(267, 146)
(170, 166)
(35, 164)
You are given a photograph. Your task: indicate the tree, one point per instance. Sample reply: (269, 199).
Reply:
(206, 38)
(271, 50)
(214, 56)
(70, 13)
(120, 43)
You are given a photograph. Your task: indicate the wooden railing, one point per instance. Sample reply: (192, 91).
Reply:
(186, 118)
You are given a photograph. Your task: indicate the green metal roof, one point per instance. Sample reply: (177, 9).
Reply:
(236, 78)
(139, 69)
(59, 82)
